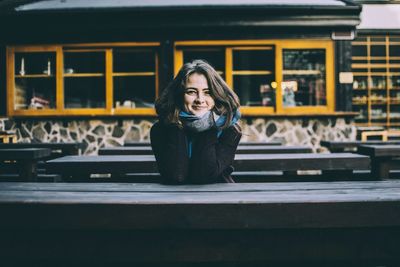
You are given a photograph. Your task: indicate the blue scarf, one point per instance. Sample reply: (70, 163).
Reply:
(207, 121)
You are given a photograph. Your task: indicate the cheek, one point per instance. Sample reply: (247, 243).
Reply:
(211, 103)
(187, 100)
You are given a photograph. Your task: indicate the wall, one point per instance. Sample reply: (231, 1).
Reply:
(111, 132)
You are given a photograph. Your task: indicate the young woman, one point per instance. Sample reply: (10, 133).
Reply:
(197, 134)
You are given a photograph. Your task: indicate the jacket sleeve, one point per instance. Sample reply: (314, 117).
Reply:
(211, 156)
(170, 149)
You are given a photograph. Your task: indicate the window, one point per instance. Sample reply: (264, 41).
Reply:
(92, 79)
(376, 86)
(283, 76)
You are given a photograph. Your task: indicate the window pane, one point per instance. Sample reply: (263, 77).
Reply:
(35, 93)
(304, 77)
(253, 59)
(214, 56)
(394, 50)
(394, 113)
(254, 90)
(360, 82)
(133, 60)
(395, 81)
(134, 91)
(378, 50)
(35, 83)
(359, 51)
(84, 62)
(378, 82)
(35, 63)
(84, 92)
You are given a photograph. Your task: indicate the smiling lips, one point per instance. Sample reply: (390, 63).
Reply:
(198, 107)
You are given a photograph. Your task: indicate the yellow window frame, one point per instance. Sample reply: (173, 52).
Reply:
(327, 45)
(59, 110)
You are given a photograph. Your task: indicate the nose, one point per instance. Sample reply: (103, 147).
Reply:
(200, 98)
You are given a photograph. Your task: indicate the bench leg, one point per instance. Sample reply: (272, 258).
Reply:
(380, 168)
(27, 170)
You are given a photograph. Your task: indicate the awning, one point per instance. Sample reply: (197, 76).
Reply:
(380, 17)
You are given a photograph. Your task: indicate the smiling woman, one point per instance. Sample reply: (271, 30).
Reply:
(197, 134)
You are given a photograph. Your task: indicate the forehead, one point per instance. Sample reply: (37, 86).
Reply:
(197, 80)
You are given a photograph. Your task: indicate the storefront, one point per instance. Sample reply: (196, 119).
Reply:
(90, 71)
(376, 66)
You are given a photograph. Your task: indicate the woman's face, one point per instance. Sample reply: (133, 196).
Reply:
(197, 99)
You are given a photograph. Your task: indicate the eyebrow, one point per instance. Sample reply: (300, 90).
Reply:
(194, 88)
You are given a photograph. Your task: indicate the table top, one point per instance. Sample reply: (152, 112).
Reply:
(24, 153)
(263, 143)
(243, 162)
(380, 150)
(242, 149)
(247, 206)
(342, 145)
(43, 145)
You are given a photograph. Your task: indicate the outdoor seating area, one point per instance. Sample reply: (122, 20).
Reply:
(254, 162)
(223, 133)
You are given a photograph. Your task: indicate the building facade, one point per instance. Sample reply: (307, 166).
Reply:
(90, 71)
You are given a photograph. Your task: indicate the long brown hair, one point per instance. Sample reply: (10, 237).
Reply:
(170, 103)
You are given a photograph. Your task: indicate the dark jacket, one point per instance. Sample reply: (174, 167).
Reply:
(211, 160)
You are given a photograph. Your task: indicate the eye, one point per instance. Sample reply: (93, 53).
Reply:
(191, 92)
(207, 92)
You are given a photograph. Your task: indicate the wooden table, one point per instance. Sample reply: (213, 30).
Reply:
(383, 158)
(26, 160)
(62, 148)
(342, 146)
(309, 224)
(82, 166)
(242, 149)
(147, 143)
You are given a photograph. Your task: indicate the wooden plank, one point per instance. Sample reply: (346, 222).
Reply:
(264, 143)
(340, 146)
(23, 153)
(188, 209)
(67, 148)
(209, 224)
(391, 150)
(137, 143)
(300, 161)
(242, 149)
(243, 162)
(215, 188)
(383, 158)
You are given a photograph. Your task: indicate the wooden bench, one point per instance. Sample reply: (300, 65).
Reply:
(242, 149)
(25, 159)
(275, 224)
(345, 146)
(57, 149)
(117, 165)
(147, 143)
(384, 158)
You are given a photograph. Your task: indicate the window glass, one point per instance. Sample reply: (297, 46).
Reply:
(254, 75)
(304, 79)
(35, 83)
(378, 50)
(84, 79)
(134, 91)
(253, 59)
(133, 60)
(359, 51)
(84, 92)
(84, 62)
(394, 50)
(254, 90)
(214, 56)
